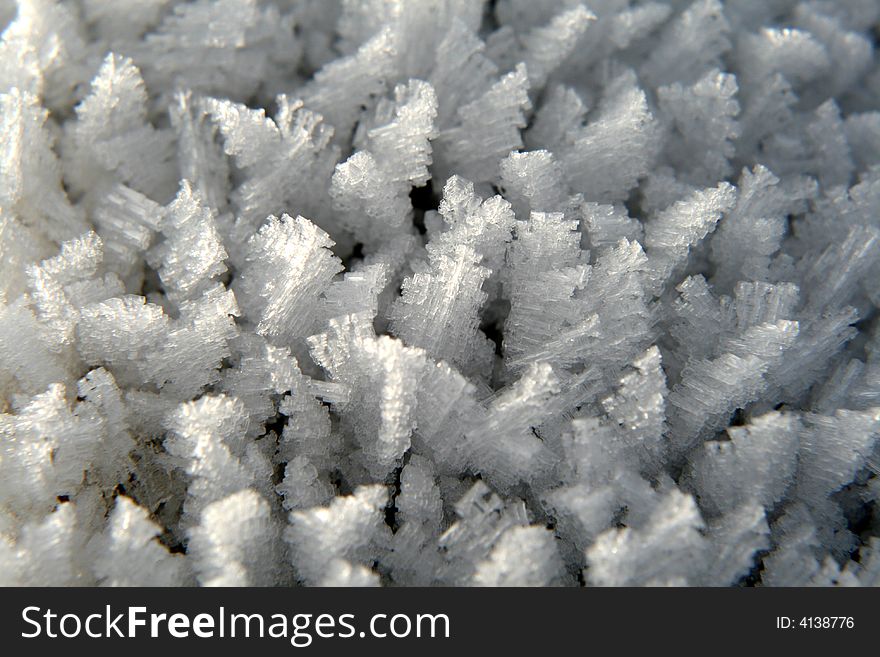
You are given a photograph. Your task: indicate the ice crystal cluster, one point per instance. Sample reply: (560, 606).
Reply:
(439, 292)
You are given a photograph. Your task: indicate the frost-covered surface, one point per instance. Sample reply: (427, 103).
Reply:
(439, 292)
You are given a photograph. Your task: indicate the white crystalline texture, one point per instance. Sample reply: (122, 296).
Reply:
(439, 292)
(128, 554)
(44, 52)
(505, 450)
(533, 180)
(638, 408)
(752, 231)
(605, 158)
(670, 236)
(112, 138)
(690, 44)
(548, 46)
(287, 266)
(46, 450)
(758, 462)
(240, 554)
(273, 155)
(31, 190)
(376, 181)
(581, 316)
(349, 529)
(669, 550)
(188, 227)
(439, 308)
(606, 225)
(382, 377)
(703, 123)
(546, 241)
(208, 442)
(486, 130)
(482, 519)
(127, 222)
(343, 87)
(523, 556)
(215, 46)
(45, 552)
(711, 390)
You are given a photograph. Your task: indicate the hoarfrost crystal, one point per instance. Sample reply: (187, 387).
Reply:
(439, 292)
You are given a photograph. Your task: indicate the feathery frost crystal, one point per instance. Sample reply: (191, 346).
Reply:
(439, 292)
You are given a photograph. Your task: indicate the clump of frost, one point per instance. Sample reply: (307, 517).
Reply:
(439, 292)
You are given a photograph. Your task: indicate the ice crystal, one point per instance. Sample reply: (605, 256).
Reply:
(439, 292)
